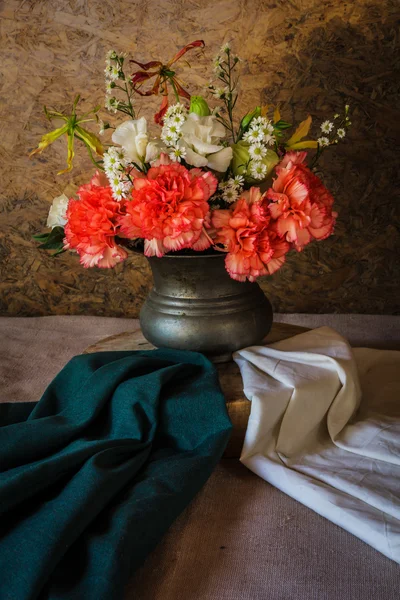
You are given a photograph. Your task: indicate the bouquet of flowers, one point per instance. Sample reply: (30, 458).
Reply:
(206, 181)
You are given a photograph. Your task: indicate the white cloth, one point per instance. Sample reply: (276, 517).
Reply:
(325, 429)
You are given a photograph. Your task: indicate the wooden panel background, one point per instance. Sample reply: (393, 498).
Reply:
(310, 56)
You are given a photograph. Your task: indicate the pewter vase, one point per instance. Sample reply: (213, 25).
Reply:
(195, 305)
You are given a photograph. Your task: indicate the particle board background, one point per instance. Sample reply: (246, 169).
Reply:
(308, 55)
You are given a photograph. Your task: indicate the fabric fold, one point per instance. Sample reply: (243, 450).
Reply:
(325, 429)
(94, 473)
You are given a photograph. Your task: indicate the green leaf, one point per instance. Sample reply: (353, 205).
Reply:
(54, 240)
(247, 119)
(59, 251)
(282, 125)
(40, 237)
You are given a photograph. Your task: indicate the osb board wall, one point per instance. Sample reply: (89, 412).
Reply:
(308, 55)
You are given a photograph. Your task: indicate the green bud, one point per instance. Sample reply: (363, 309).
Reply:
(247, 119)
(241, 159)
(199, 106)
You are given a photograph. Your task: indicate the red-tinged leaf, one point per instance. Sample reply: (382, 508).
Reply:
(152, 92)
(159, 117)
(146, 66)
(181, 91)
(196, 44)
(140, 77)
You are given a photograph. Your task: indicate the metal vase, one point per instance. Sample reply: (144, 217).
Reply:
(195, 305)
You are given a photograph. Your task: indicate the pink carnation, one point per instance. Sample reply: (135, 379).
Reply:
(244, 232)
(300, 203)
(169, 208)
(91, 226)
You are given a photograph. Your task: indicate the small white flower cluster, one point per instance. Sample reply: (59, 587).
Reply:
(115, 163)
(113, 72)
(223, 64)
(232, 188)
(171, 132)
(259, 136)
(327, 127)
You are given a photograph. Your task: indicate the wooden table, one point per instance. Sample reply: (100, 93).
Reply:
(229, 376)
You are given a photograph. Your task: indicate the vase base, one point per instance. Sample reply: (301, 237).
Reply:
(220, 358)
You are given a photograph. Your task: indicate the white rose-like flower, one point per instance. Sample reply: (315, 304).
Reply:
(201, 137)
(153, 150)
(132, 136)
(58, 212)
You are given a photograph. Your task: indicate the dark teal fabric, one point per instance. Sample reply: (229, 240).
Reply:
(93, 474)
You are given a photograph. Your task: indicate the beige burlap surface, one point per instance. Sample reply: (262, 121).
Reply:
(241, 539)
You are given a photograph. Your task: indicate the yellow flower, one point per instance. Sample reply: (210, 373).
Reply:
(71, 129)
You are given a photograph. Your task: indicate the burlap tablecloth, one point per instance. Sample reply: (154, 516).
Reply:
(241, 539)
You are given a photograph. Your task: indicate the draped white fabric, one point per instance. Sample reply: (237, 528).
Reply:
(325, 429)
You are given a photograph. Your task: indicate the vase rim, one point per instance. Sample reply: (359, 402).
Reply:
(198, 255)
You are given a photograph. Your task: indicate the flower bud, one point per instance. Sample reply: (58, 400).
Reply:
(241, 158)
(241, 161)
(199, 106)
(249, 117)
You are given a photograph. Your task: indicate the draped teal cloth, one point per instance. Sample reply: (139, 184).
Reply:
(93, 474)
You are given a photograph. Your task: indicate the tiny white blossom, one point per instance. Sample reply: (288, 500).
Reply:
(121, 156)
(326, 127)
(217, 110)
(257, 151)
(258, 170)
(177, 120)
(238, 180)
(111, 104)
(220, 92)
(222, 185)
(323, 141)
(253, 135)
(115, 180)
(111, 55)
(268, 131)
(217, 62)
(177, 154)
(107, 71)
(230, 194)
(109, 87)
(114, 72)
(341, 133)
(225, 47)
(168, 138)
(173, 129)
(118, 191)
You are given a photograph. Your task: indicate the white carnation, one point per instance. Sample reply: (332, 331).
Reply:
(58, 212)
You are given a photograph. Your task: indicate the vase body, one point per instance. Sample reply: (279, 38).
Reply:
(195, 305)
